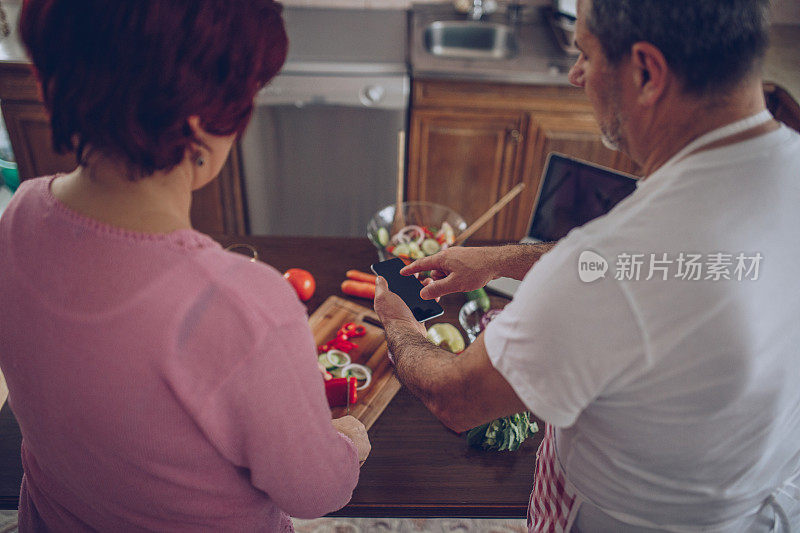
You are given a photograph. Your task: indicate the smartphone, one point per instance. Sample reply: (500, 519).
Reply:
(407, 288)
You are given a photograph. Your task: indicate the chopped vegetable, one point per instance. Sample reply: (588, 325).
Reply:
(446, 336)
(414, 251)
(430, 246)
(446, 234)
(357, 275)
(383, 236)
(360, 372)
(360, 289)
(487, 317)
(416, 242)
(334, 359)
(401, 249)
(480, 296)
(325, 374)
(342, 341)
(507, 433)
(337, 390)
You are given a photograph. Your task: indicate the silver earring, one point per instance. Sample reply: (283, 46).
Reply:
(200, 161)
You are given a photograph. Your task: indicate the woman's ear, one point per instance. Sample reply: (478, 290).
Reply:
(197, 130)
(207, 152)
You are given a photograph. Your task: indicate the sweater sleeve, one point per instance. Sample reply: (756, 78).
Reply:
(245, 370)
(271, 417)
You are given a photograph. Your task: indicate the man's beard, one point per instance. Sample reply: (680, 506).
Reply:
(611, 132)
(608, 143)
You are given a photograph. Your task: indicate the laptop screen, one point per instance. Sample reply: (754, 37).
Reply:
(572, 193)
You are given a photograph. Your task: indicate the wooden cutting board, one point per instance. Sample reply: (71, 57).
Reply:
(371, 352)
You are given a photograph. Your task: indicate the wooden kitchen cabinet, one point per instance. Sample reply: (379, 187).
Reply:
(216, 208)
(470, 143)
(465, 160)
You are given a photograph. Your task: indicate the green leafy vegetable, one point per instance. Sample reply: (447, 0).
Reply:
(507, 433)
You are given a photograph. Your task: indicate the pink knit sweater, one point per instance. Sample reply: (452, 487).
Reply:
(160, 382)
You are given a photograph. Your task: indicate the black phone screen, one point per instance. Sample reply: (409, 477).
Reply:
(407, 288)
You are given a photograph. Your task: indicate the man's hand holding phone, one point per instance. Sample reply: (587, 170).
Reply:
(393, 311)
(407, 288)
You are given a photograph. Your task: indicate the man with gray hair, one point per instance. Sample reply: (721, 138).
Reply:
(669, 389)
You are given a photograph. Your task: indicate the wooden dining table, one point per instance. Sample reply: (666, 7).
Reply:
(417, 467)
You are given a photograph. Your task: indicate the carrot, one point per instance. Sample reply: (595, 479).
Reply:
(357, 275)
(361, 289)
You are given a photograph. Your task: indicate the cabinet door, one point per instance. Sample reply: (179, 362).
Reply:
(29, 131)
(572, 134)
(465, 160)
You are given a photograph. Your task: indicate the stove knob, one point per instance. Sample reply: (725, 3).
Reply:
(372, 95)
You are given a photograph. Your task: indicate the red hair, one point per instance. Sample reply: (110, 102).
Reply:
(123, 76)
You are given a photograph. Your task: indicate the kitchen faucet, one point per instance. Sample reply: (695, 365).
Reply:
(476, 9)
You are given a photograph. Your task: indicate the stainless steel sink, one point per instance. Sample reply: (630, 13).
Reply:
(470, 40)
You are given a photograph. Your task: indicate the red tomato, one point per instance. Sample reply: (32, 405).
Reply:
(302, 281)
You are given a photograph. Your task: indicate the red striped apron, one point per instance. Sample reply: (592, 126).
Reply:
(554, 503)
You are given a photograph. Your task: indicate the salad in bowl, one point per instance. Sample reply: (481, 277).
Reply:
(421, 229)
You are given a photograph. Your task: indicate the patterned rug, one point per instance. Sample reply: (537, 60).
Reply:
(8, 521)
(8, 524)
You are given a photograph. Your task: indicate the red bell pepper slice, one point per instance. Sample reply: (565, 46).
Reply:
(351, 330)
(337, 390)
(342, 340)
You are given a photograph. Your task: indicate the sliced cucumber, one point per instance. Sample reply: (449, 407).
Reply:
(383, 236)
(324, 361)
(402, 249)
(333, 359)
(430, 247)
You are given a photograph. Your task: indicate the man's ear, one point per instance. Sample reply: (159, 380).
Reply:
(651, 73)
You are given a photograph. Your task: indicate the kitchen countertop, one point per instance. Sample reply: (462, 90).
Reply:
(539, 60)
(417, 467)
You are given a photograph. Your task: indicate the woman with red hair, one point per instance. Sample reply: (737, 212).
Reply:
(160, 382)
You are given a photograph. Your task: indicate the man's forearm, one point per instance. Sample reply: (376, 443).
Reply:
(515, 260)
(428, 371)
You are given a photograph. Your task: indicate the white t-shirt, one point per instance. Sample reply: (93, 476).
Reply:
(678, 400)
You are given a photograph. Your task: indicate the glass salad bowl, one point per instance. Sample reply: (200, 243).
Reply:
(423, 229)
(474, 319)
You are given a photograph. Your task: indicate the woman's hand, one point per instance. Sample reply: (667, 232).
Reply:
(352, 428)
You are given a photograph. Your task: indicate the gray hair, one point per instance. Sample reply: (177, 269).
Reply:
(710, 44)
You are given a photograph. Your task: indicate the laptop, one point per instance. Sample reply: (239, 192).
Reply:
(571, 193)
